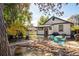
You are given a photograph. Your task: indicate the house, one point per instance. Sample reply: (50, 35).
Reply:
(55, 24)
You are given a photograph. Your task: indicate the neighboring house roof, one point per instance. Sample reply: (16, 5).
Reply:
(53, 18)
(32, 28)
(42, 26)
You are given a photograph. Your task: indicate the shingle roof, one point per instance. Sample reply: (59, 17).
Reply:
(53, 17)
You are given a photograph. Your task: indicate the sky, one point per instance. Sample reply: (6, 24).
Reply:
(69, 10)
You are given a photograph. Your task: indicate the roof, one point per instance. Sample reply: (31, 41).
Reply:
(53, 17)
(42, 26)
(32, 28)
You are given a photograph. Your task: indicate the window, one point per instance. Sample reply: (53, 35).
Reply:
(61, 27)
(50, 28)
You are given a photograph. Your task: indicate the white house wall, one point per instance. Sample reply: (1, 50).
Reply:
(50, 31)
(66, 29)
(55, 28)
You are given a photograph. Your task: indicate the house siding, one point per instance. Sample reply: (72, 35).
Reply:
(66, 29)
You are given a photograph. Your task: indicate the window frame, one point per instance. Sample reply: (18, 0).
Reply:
(61, 27)
(50, 28)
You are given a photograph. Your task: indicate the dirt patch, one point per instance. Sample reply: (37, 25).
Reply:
(50, 48)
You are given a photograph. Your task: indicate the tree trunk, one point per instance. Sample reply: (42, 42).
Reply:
(4, 44)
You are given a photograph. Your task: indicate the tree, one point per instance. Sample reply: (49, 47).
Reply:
(13, 12)
(28, 18)
(10, 15)
(52, 8)
(4, 45)
(48, 8)
(42, 20)
(75, 20)
(15, 16)
(17, 26)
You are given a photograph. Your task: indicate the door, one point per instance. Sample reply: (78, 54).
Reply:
(46, 33)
